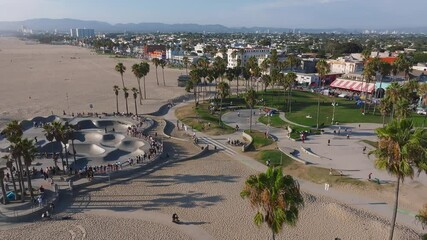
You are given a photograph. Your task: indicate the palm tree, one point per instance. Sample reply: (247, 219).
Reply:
(250, 99)
(290, 79)
(193, 83)
(323, 69)
(292, 61)
(13, 133)
(138, 71)
(401, 150)
(145, 68)
(276, 198)
(3, 189)
(223, 92)
(186, 62)
(237, 72)
(9, 165)
(28, 153)
(126, 92)
(116, 90)
(403, 64)
(57, 131)
(135, 96)
(229, 74)
(156, 63)
(120, 68)
(163, 64)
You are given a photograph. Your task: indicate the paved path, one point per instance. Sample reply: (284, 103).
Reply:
(344, 154)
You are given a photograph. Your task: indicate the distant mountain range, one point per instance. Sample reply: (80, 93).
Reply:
(64, 25)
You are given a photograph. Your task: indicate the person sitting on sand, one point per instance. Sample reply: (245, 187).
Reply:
(175, 218)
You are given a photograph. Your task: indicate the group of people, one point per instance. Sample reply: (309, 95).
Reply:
(234, 142)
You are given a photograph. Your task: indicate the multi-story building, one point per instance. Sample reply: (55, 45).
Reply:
(149, 49)
(82, 32)
(233, 54)
(308, 79)
(345, 65)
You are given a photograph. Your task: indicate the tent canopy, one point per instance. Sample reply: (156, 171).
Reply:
(353, 85)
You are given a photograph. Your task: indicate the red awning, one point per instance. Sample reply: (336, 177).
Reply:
(353, 85)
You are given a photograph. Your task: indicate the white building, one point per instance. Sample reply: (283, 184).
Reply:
(82, 32)
(307, 78)
(345, 65)
(199, 49)
(233, 54)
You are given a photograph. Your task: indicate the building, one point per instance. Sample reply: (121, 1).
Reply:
(157, 54)
(233, 54)
(307, 79)
(148, 49)
(82, 32)
(345, 65)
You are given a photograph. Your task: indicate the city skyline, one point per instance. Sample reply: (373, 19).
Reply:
(238, 13)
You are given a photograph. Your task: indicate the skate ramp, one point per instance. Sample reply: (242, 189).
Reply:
(84, 124)
(112, 139)
(51, 147)
(118, 125)
(88, 149)
(130, 145)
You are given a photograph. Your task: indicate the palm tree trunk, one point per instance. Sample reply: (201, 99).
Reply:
(117, 103)
(163, 71)
(3, 190)
(396, 204)
(290, 97)
(74, 152)
(127, 107)
(66, 157)
(237, 87)
(140, 92)
(136, 109)
(123, 82)
(157, 77)
(318, 111)
(30, 186)
(195, 95)
(13, 182)
(219, 118)
(250, 121)
(21, 176)
(274, 235)
(145, 93)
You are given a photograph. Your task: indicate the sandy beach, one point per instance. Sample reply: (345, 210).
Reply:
(205, 194)
(36, 80)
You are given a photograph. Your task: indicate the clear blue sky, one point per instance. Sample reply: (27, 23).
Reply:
(232, 13)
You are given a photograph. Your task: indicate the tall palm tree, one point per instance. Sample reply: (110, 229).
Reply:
(223, 92)
(401, 150)
(403, 64)
(116, 90)
(290, 79)
(156, 63)
(138, 71)
(145, 68)
(120, 68)
(3, 189)
(135, 96)
(186, 62)
(323, 69)
(250, 99)
(126, 94)
(9, 165)
(230, 75)
(276, 198)
(163, 64)
(237, 72)
(292, 61)
(193, 83)
(13, 133)
(56, 131)
(28, 153)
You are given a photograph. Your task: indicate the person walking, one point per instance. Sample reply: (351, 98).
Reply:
(329, 142)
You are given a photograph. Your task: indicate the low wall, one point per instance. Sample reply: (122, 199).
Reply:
(168, 123)
(289, 154)
(249, 144)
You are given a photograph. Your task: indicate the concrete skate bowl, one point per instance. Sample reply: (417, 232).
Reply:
(111, 139)
(118, 125)
(130, 145)
(89, 136)
(84, 124)
(137, 152)
(51, 147)
(27, 124)
(88, 149)
(115, 155)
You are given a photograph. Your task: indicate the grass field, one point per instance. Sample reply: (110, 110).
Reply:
(276, 158)
(304, 109)
(202, 120)
(259, 139)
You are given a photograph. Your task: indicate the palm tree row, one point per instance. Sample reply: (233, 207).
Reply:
(135, 93)
(22, 153)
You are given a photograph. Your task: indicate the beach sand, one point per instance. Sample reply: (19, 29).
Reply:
(36, 80)
(205, 194)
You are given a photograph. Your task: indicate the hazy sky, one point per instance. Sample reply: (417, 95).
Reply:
(268, 13)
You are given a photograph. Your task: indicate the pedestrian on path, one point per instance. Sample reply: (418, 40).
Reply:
(329, 142)
(364, 149)
(369, 176)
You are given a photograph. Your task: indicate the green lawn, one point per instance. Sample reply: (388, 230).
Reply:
(259, 139)
(276, 157)
(275, 121)
(304, 109)
(200, 118)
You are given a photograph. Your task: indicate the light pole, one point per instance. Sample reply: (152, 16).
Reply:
(318, 110)
(333, 112)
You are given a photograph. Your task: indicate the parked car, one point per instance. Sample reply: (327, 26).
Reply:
(421, 111)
